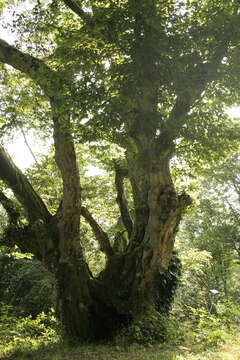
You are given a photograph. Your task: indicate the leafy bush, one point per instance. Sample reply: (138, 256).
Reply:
(147, 330)
(25, 284)
(19, 332)
(204, 329)
(193, 290)
(229, 312)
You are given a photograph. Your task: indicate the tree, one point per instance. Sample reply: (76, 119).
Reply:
(220, 204)
(208, 242)
(145, 75)
(209, 262)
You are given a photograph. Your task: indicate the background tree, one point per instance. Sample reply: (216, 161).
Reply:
(209, 240)
(145, 76)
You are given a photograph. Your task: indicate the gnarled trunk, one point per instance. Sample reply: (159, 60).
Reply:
(97, 309)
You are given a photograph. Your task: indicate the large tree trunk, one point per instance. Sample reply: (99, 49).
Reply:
(96, 309)
(142, 275)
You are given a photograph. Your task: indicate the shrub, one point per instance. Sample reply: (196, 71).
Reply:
(229, 312)
(26, 285)
(205, 329)
(19, 333)
(147, 330)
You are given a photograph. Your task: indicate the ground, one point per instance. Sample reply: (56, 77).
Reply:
(228, 351)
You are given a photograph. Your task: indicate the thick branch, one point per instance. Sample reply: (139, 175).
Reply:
(33, 239)
(100, 235)
(121, 199)
(35, 68)
(55, 89)
(77, 10)
(21, 188)
(10, 208)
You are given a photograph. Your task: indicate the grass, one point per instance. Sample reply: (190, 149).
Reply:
(61, 351)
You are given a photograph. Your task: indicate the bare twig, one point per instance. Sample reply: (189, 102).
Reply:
(28, 146)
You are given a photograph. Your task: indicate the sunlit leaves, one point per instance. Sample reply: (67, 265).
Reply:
(129, 54)
(22, 103)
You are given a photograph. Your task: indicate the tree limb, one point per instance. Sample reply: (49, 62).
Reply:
(56, 90)
(120, 174)
(22, 189)
(100, 235)
(78, 10)
(35, 68)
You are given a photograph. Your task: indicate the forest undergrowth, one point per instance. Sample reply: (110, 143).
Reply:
(202, 336)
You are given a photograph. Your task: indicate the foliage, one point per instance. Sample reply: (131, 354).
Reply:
(18, 334)
(205, 329)
(196, 282)
(229, 312)
(211, 234)
(3, 220)
(25, 284)
(21, 338)
(144, 331)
